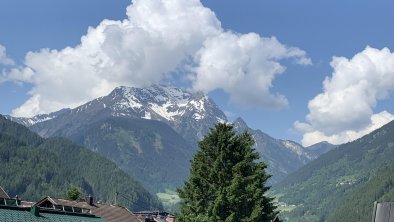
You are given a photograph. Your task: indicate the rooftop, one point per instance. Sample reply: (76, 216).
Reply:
(26, 214)
(109, 212)
(3, 194)
(155, 216)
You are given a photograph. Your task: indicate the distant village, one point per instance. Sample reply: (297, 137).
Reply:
(51, 209)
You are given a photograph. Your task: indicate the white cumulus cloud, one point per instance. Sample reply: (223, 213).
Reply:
(157, 38)
(4, 59)
(244, 66)
(344, 111)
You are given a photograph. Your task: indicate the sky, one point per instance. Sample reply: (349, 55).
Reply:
(304, 70)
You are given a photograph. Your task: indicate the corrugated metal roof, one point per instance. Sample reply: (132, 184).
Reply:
(23, 214)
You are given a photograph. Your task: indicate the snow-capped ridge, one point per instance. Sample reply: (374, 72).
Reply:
(37, 119)
(163, 102)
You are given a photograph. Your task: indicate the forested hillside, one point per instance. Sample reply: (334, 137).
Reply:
(358, 207)
(32, 168)
(146, 149)
(328, 183)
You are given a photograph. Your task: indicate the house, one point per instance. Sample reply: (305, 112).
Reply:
(155, 216)
(51, 209)
(109, 212)
(383, 212)
(11, 210)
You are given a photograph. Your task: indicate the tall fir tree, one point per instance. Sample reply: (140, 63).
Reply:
(227, 182)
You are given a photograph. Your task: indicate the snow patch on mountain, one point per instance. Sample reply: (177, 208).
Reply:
(197, 116)
(296, 148)
(39, 120)
(132, 102)
(199, 104)
(164, 110)
(147, 116)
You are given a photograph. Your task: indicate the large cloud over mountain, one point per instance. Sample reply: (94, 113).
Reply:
(157, 38)
(344, 110)
(244, 66)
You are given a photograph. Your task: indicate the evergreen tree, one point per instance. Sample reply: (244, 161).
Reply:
(73, 193)
(227, 183)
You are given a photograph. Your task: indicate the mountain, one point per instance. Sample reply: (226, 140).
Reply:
(128, 125)
(321, 189)
(189, 114)
(33, 167)
(151, 133)
(282, 156)
(320, 148)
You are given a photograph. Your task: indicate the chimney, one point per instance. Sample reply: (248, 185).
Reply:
(89, 200)
(35, 210)
(17, 200)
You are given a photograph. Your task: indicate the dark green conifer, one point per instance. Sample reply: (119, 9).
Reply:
(227, 183)
(74, 193)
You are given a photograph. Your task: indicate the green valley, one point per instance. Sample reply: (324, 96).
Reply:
(33, 167)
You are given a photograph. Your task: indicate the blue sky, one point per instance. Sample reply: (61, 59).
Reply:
(319, 29)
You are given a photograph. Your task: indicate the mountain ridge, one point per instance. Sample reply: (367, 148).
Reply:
(189, 114)
(282, 156)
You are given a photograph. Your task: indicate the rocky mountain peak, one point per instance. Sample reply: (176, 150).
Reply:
(240, 125)
(155, 93)
(154, 102)
(159, 102)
